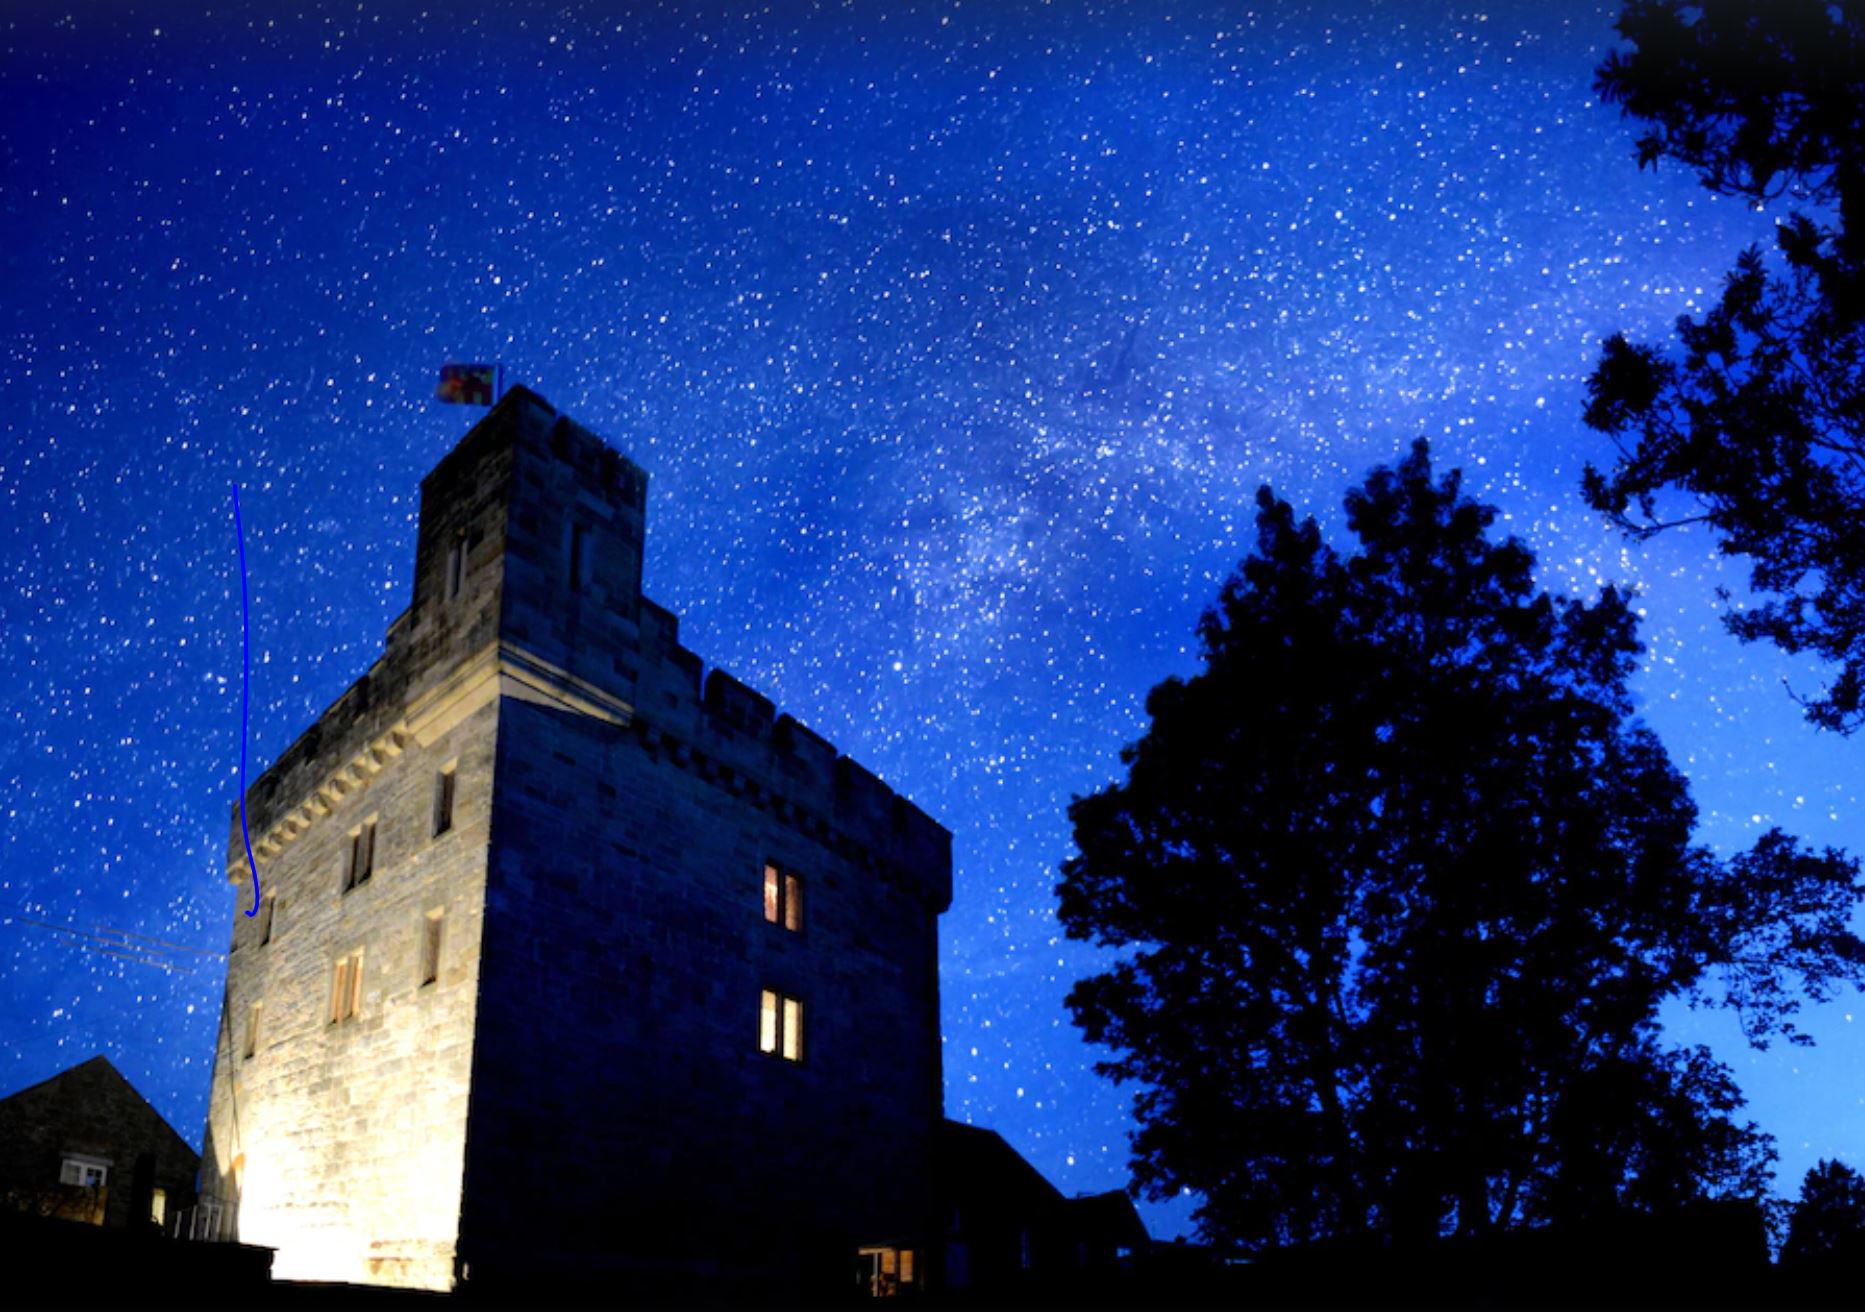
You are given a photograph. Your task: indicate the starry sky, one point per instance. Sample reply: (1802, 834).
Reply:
(955, 337)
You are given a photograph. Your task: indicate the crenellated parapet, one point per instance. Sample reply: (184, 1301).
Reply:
(735, 738)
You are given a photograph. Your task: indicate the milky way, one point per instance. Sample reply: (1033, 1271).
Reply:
(955, 339)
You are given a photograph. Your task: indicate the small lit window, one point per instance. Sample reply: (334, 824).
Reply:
(362, 854)
(783, 898)
(456, 567)
(780, 1026)
(886, 1271)
(158, 1206)
(252, 1030)
(443, 799)
(430, 948)
(346, 988)
(88, 1172)
(267, 909)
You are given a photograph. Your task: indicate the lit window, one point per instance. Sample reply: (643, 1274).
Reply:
(443, 799)
(252, 1030)
(267, 908)
(346, 988)
(456, 567)
(362, 854)
(158, 1207)
(783, 898)
(885, 1271)
(89, 1172)
(780, 1026)
(430, 948)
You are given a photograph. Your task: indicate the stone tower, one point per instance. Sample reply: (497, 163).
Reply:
(574, 962)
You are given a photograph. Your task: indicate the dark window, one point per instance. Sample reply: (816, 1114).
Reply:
(780, 1026)
(430, 948)
(456, 568)
(579, 556)
(783, 899)
(268, 907)
(252, 1030)
(362, 855)
(443, 801)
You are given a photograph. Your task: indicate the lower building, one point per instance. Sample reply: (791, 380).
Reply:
(1010, 1233)
(86, 1146)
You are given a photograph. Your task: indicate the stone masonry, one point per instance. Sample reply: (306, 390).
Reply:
(581, 1093)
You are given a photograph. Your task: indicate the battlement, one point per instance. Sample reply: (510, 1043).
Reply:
(528, 582)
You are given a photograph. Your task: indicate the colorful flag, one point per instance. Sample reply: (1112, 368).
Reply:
(467, 384)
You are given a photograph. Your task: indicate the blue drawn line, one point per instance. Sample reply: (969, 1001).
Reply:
(246, 678)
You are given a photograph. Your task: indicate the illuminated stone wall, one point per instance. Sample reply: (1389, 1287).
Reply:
(340, 1144)
(605, 942)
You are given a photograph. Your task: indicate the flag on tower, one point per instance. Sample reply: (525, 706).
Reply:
(467, 384)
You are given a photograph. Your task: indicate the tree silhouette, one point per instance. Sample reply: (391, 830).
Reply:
(1827, 1225)
(1757, 426)
(1400, 886)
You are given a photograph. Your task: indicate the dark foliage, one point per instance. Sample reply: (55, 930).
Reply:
(1400, 885)
(1756, 425)
(1828, 1221)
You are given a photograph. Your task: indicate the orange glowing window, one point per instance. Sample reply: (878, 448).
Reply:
(780, 1026)
(783, 899)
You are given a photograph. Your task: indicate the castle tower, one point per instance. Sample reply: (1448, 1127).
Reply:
(572, 963)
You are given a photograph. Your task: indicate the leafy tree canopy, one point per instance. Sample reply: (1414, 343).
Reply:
(1756, 424)
(1399, 885)
(1828, 1220)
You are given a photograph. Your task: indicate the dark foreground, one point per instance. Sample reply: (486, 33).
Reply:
(1704, 1265)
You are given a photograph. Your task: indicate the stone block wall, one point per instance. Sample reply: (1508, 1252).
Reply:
(340, 1142)
(625, 954)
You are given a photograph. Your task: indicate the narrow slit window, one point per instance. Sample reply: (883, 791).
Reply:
(793, 1030)
(443, 800)
(767, 1022)
(268, 908)
(252, 1030)
(430, 948)
(579, 556)
(339, 989)
(780, 1025)
(793, 903)
(346, 988)
(362, 854)
(456, 567)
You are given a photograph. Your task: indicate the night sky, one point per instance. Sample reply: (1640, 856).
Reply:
(955, 339)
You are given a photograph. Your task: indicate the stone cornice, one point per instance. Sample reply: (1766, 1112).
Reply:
(502, 669)
(497, 670)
